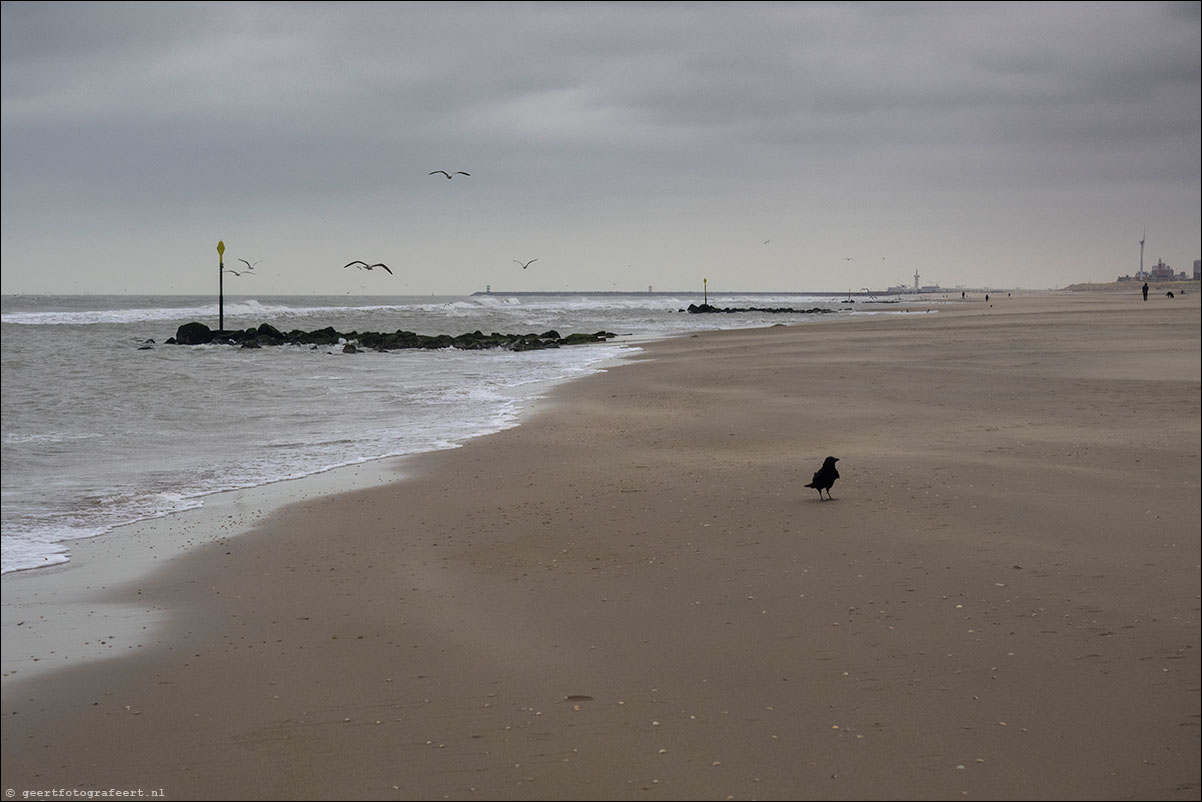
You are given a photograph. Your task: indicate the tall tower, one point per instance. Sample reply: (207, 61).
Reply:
(1141, 252)
(916, 287)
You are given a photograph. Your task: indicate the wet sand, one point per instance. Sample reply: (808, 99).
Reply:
(632, 595)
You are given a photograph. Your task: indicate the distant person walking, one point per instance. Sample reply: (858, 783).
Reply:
(1145, 290)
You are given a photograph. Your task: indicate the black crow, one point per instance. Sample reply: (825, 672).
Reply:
(824, 477)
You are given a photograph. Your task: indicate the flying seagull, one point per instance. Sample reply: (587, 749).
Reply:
(365, 266)
(249, 266)
(526, 265)
(237, 273)
(450, 175)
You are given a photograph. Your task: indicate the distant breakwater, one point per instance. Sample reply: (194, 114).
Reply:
(699, 309)
(267, 335)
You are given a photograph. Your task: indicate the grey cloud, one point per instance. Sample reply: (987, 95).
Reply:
(155, 108)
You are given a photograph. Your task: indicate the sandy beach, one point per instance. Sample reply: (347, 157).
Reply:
(632, 595)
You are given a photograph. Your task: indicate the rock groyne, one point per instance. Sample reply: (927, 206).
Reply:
(266, 335)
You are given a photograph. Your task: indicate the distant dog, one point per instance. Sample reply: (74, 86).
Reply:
(1170, 294)
(824, 478)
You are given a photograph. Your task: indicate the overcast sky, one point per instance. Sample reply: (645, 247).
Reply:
(761, 146)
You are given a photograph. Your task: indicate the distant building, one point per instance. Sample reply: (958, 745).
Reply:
(1162, 272)
(899, 289)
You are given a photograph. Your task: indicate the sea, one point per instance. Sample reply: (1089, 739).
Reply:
(105, 424)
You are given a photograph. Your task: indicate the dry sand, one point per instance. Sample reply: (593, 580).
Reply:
(632, 595)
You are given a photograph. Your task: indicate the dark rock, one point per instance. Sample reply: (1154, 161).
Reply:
(269, 335)
(326, 336)
(529, 343)
(193, 334)
(578, 339)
